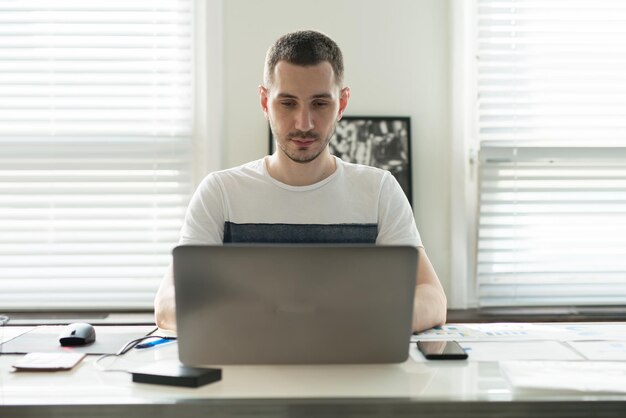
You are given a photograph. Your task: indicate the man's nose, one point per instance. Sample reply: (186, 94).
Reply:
(304, 120)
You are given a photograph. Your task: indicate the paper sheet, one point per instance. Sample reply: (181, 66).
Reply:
(509, 331)
(519, 350)
(588, 376)
(48, 361)
(601, 350)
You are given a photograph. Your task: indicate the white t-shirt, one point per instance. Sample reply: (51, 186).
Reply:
(356, 204)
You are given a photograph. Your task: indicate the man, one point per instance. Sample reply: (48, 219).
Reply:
(302, 193)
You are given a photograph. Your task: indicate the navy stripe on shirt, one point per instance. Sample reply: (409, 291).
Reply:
(300, 233)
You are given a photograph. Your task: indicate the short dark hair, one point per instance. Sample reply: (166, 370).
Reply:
(304, 48)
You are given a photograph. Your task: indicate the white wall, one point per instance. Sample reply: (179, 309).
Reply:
(396, 63)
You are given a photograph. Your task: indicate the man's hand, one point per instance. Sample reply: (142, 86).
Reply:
(165, 303)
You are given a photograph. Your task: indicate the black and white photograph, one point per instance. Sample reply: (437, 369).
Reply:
(383, 142)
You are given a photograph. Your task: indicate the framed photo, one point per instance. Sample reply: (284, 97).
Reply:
(379, 141)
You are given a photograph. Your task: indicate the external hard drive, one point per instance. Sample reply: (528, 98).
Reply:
(176, 375)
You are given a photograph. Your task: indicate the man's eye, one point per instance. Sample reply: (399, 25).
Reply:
(288, 104)
(320, 104)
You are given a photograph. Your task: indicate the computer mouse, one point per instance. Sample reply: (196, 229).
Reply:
(78, 333)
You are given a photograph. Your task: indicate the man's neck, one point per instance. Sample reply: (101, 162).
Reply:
(292, 173)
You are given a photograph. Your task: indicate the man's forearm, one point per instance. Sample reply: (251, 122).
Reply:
(429, 309)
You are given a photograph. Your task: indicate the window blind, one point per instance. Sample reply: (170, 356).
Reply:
(95, 146)
(551, 83)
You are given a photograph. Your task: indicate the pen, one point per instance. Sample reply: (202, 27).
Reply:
(152, 343)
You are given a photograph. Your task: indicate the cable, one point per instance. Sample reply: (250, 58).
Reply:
(125, 349)
(102, 369)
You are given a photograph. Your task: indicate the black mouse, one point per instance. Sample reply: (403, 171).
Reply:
(78, 333)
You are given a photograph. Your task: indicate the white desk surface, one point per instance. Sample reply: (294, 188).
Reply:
(415, 387)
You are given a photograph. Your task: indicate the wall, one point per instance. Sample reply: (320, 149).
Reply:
(396, 60)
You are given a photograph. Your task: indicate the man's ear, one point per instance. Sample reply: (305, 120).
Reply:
(263, 97)
(343, 101)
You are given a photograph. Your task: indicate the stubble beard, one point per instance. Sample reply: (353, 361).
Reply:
(293, 156)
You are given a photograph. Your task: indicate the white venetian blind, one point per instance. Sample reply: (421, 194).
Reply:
(552, 130)
(95, 143)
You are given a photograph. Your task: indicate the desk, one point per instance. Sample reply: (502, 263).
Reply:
(414, 388)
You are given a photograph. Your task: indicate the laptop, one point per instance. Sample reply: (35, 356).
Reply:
(293, 304)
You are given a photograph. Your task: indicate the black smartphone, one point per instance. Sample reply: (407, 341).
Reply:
(442, 350)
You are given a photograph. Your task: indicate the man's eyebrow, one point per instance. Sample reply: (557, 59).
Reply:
(315, 96)
(322, 96)
(286, 96)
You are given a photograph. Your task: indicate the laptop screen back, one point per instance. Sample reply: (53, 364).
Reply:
(290, 304)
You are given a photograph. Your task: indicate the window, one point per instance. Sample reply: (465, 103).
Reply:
(95, 149)
(551, 84)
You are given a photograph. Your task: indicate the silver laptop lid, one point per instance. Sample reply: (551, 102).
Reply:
(294, 304)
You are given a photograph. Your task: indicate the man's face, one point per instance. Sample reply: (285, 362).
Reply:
(303, 104)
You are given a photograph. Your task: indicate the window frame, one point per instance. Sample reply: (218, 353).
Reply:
(207, 129)
(465, 191)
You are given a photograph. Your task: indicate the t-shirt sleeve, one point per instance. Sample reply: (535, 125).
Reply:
(396, 223)
(204, 220)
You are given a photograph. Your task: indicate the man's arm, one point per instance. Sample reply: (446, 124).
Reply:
(165, 303)
(430, 304)
(204, 224)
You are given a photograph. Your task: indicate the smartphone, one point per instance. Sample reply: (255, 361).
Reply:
(442, 350)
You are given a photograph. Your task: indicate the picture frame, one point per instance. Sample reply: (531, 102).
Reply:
(378, 141)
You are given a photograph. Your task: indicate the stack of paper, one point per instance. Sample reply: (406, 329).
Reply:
(596, 376)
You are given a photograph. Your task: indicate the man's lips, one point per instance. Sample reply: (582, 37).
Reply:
(301, 141)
